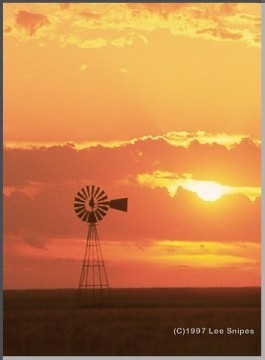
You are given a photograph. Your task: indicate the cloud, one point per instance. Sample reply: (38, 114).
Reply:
(40, 185)
(35, 242)
(64, 6)
(184, 138)
(176, 138)
(203, 188)
(94, 43)
(7, 29)
(90, 14)
(218, 22)
(228, 8)
(14, 209)
(81, 43)
(238, 165)
(208, 21)
(221, 33)
(163, 9)
(30, 22)
(205, 161)
(153, 215)
(29, 26)
(47, 215)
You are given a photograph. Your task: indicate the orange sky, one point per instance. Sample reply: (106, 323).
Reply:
(160, 103)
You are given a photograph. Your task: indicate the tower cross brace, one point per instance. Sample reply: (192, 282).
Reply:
(93, 283)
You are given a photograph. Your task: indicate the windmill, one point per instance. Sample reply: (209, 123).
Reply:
(91, 205)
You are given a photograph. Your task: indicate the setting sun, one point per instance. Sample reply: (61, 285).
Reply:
(207, 190)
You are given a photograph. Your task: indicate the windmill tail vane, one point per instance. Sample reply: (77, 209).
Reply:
(119, 204)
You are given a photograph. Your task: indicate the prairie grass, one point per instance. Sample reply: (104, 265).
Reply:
(137, 322)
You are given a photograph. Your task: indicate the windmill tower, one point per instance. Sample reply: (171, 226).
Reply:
(91, 205)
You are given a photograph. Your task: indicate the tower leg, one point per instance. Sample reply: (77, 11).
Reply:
(93, 286)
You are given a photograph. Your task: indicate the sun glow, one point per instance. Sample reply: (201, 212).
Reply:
(207, 190)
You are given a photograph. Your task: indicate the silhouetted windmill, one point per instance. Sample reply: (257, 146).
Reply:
(91, 205)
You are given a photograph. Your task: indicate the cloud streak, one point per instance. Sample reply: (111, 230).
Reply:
(35, 242)
(153, 215)
(238, 165)
(172, 182)
(40, 185)
(74, 23)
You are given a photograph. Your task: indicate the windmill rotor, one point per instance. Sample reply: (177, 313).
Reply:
(91, 204)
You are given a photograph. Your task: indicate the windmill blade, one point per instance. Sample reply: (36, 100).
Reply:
(79, 207)
(101, 212)
(79, 200)
(85, 217)
(100, 194)
(84, 192)
(82, 213)
(98, 215)
(82, 196)
(104, 208)
(119, 204)
(105, 203)
(102, 198)
(78, 204)
(88, 190)
(96, 193)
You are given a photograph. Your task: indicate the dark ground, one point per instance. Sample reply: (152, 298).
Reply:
(137, 322)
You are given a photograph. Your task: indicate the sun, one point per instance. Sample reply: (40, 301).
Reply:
(210, 192)
(207, 190)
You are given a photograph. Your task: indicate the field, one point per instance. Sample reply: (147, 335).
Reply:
(137, 322)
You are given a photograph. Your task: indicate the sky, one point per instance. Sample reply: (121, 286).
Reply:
(160, 103)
